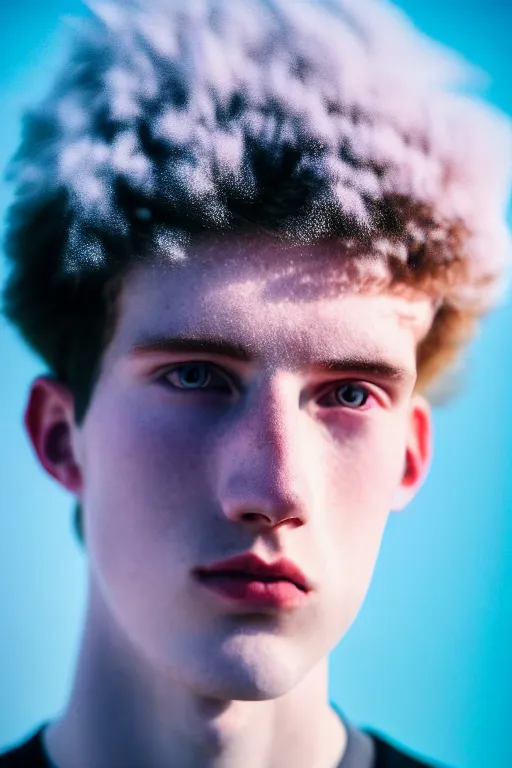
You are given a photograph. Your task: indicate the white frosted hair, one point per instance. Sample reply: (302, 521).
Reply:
(173, 99)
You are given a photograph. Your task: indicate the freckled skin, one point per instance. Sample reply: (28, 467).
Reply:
(172, 479)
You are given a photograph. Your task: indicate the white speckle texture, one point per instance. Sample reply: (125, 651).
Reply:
(176, 99)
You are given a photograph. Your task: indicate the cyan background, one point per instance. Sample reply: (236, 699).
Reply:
(428, 660)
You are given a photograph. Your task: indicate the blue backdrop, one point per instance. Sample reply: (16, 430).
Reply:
(428, 660)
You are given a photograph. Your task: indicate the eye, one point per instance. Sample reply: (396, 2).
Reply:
(352, 395)
(349, 395)
(194, 376)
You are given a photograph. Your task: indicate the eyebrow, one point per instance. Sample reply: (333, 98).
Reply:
(208, 344)
(230, 349)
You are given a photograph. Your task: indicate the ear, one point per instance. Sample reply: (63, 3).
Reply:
(49, 421)
(418, 452)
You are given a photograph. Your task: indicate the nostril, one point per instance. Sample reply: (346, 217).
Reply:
(252, 517)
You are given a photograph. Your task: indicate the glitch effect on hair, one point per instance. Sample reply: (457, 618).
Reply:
(176, 117)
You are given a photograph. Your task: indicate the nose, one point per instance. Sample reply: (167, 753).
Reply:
(262, 473)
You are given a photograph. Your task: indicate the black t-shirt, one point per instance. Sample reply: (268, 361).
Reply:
(365, 749)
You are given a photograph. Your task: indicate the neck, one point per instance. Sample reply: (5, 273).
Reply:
(124, 711)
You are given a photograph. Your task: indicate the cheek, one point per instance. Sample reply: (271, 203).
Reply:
(362, 483)
(146, 510)
(144, 479)
(366, 461)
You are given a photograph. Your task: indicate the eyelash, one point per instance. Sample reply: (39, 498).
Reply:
(227, 384)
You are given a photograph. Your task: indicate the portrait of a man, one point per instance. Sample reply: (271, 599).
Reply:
(248, 239)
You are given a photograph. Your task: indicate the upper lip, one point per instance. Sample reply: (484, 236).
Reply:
(252, 565)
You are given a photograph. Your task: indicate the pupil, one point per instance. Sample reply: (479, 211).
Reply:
(351, 394)
(193, 375)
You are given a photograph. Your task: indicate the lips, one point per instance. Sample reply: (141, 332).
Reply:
(253, 568)
(250, 582)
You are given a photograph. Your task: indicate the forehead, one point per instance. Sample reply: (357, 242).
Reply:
(283, 303)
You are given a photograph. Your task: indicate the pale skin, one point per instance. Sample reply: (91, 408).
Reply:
(274, 453)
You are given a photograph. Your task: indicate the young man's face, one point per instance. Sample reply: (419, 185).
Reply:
(191, 456)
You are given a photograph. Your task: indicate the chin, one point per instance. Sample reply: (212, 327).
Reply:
(244, 669)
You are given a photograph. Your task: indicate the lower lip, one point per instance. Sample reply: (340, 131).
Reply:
(252, 593)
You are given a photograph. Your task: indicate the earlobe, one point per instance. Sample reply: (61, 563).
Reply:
(49, 421)
(406, 490)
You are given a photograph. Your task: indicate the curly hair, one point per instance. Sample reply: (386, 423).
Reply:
(319, 120)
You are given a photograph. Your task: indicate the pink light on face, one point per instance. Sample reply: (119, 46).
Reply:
(271, 463)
